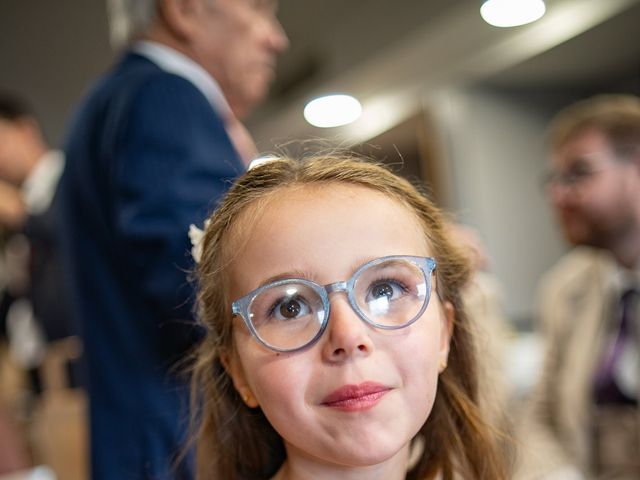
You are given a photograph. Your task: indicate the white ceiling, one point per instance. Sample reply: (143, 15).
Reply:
(391, 54)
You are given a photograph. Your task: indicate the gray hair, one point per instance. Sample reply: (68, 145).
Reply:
(128, 19)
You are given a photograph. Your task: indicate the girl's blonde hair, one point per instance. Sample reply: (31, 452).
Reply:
(236, 442)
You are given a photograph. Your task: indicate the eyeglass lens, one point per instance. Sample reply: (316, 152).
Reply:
(287, 316)
(581, 169)
(572, 177)
(387, 294)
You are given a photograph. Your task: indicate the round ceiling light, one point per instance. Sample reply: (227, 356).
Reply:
(332, 111)
(511, 13)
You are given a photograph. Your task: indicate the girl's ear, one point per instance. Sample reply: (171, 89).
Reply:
(234, 369)
(446, 333)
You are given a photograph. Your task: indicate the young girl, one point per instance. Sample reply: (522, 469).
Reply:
(337, 346)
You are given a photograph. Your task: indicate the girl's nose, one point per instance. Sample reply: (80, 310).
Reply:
(347, 334)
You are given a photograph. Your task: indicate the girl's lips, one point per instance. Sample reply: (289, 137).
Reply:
(353, 398)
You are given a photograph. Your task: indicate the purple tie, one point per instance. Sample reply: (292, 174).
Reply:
(606, 389)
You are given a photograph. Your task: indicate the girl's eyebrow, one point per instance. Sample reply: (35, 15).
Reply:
(360, 261)
(308, 275)
(291, 274)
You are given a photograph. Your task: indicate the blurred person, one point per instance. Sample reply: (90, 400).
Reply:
(12, 450)
(11, 218)
(11, 208)
(13, 453)
(26, 160)
(31, 169)
(153, 146)
(583, 420)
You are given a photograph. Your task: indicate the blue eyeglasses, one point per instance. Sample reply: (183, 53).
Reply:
(388, 293)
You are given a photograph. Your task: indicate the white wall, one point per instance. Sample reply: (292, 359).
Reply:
(495, 147)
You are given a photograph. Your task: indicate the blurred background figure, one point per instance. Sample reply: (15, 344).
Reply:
(153, 147)
(35, 300)
(13, 456)
(584, 418)
(13, 448)
(11, 207)
(37, 284)
(11, 218)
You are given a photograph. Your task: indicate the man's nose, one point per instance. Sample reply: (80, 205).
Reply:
(278, 40)
(558, 193)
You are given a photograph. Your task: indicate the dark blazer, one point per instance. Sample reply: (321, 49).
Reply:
(48, 289)
(147, 155)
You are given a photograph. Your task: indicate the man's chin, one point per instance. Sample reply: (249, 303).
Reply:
(576, 235)
(242, 107)
(586, 238)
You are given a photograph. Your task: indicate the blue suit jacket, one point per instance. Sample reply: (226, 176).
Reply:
(146, 156)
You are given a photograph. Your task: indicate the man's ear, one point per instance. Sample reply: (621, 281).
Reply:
(446, 333)
(234, 369)
(28, 125)
(180, 16)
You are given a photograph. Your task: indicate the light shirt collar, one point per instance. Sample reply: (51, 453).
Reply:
(172, 61)
(39, 187)
(622, 279)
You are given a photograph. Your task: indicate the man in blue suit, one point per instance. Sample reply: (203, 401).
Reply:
(151, 150)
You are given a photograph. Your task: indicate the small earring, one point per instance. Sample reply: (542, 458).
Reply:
(249, 400)
(443, 365)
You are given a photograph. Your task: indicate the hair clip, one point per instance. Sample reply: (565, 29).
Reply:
(196, 235)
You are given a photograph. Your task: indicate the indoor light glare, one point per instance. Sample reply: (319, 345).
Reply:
(332, 111)
(511, 13)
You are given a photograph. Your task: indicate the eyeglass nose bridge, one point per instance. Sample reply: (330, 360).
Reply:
(337, 287)
(343, 286)
(346, 287)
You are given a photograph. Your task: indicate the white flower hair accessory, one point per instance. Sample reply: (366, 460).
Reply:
(196, 236)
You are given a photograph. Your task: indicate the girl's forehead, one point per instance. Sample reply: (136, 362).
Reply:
(316, 195)
(324, 192)
(327, 210)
